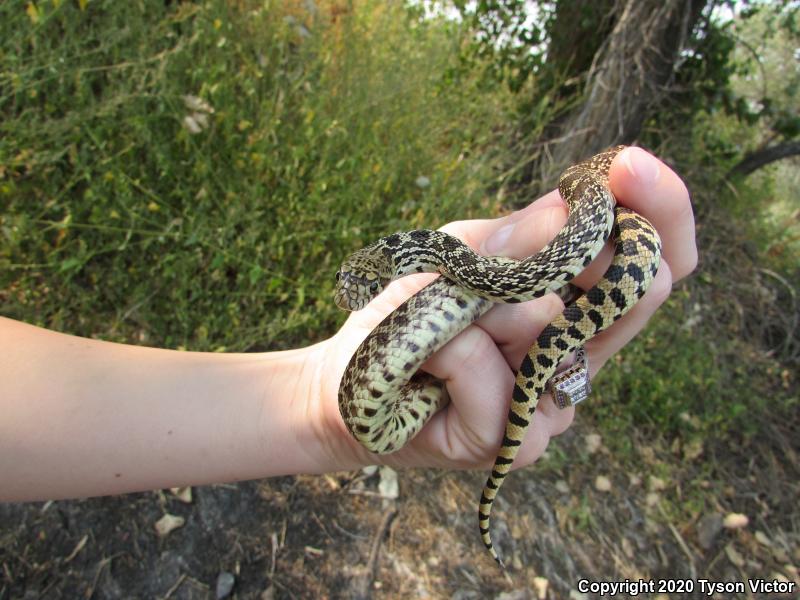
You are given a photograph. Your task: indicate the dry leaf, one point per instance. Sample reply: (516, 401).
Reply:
(693, 449)
(33, 12)
(540, 584)
(167, 523)
(388, 486)
(652, 499)
(762, 539)
(184, 494)
(627, 548)
(593, 442)
(195, 104)
(191, 125)
(602, 483)
(734, 556)
(735, 521)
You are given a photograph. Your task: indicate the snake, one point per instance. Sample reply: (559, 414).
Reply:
(385, 399)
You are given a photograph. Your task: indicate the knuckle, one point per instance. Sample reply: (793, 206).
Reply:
(470, 348)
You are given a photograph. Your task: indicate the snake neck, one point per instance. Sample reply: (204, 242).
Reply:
(588, 174)
(418, 251)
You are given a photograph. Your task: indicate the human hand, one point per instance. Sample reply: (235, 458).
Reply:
(478, 364)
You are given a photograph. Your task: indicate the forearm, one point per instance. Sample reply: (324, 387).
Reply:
(81, 417)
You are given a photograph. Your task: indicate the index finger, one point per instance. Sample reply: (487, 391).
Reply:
(645, 184)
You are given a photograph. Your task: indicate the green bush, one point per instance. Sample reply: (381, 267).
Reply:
(192, 175)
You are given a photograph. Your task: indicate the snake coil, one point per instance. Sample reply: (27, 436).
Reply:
(383, 397)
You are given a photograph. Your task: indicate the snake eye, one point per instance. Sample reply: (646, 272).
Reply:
(338, 275)
(373, 287)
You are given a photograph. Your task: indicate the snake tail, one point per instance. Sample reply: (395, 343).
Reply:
(635, 263)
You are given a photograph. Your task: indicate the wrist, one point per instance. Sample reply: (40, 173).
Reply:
(320, 435)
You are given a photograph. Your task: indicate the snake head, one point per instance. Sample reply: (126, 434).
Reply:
(360, 278)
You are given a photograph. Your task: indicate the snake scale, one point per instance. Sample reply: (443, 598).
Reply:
(385, 399)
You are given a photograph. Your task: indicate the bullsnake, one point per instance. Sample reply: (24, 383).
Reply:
(383, 397)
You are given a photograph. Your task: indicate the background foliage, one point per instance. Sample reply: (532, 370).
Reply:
(189, 175)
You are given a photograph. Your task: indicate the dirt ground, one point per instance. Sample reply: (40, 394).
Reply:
(579, 514)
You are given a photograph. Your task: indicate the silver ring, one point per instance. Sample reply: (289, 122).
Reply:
(572, 385)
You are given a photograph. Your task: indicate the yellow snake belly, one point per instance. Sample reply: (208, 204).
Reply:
(383, 397)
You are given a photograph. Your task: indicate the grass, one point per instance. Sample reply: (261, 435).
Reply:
(132, 213)
(189, 175)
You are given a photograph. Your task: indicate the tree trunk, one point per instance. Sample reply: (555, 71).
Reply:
(629, 75)
(579, 28)
(761, 158)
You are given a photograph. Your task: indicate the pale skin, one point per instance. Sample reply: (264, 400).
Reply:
(82, 417)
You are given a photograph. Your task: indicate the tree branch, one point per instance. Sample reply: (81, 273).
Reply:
(760, 158)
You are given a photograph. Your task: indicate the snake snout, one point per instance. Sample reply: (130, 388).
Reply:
(344, 299)
(354, 292)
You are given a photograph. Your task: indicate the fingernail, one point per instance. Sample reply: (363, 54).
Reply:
(495, 243)
(641, 165)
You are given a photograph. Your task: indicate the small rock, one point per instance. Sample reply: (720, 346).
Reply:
(562, 486)
(656, 484)
(602, 483)
(370, 470)
(634, 480)
(708, 529)
(735, 521)
(225, 583)
(168, 523)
